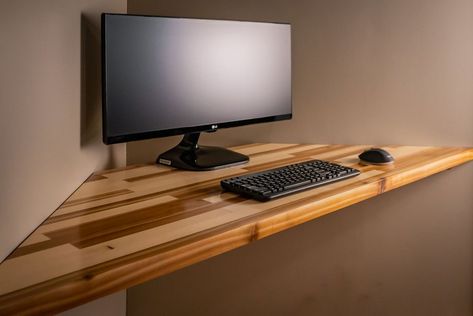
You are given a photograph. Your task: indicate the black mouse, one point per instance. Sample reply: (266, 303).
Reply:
(376, 156)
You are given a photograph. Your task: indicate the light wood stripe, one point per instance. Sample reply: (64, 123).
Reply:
(115, 232)
(35, 238)
(85, 218)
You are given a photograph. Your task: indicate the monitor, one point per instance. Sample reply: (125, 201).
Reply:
(164, 76)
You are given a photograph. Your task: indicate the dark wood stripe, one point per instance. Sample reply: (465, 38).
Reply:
(245, 146)
(138, 226)
(107, 206)
(96, 197)
(42, 245)
(153, 175)
(95, 177)
(123, 224)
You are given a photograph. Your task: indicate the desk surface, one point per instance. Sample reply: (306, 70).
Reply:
(126, 226)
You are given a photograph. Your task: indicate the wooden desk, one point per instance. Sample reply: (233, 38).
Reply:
(126, 226)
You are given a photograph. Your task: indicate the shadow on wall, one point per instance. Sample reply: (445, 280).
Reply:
(90, 81)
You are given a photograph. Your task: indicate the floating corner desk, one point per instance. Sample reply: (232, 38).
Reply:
(126, 226)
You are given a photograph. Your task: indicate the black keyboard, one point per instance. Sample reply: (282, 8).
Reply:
(289, 179)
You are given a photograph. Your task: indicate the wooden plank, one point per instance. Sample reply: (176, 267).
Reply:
(126, 226)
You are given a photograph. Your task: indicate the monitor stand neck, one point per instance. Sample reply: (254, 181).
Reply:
(189, 155)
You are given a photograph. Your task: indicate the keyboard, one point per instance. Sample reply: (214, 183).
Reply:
(278, 182)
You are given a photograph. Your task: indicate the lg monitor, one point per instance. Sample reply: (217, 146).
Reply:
(164, 76)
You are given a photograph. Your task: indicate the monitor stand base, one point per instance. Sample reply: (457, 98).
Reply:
(189, 155)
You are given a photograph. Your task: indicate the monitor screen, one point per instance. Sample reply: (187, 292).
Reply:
(166, 76)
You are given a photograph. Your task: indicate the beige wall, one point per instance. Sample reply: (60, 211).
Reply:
(369, 71)
(49, 108)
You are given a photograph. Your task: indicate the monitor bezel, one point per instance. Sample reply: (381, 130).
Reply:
(108, 139)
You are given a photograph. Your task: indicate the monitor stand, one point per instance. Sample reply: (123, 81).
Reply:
(189, 155)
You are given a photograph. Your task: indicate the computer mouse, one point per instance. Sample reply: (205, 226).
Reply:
(376, 156)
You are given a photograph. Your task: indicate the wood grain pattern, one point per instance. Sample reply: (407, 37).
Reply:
(126, 226)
